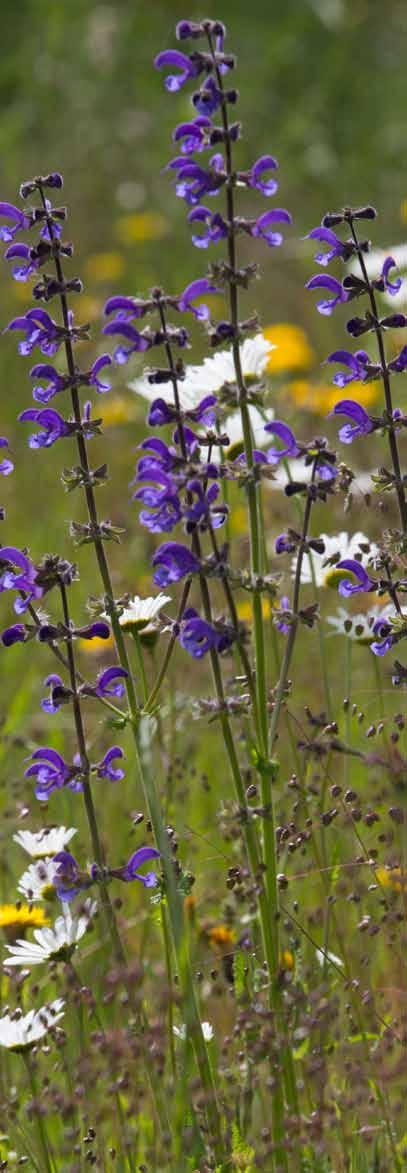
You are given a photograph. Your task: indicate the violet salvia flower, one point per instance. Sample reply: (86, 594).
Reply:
(92, 377)
(323, 281)
(360, 421)
(164, 508)
(195, 182)
(359, 366)
(172, 561)
(284, 433)
(51, 773)
(215, 229)
(254, 178)
(110, 682)
(208, 99)
(69, 881)
(22, 253)
(191, 293)
(40, 330)
(387, 637)
(192, 136)
(96, 630)
(263, 230)
(6, 465)
(24, 579)
(383, 282)
(204, 512)
(336, 247)
(364, 582)
(58, 694)
(137, 342)
(280, 623)
(284, 544)
(105, 769)
(56, 382)
(19, 221)
(198, 637)
(126, 307)
(130, 871)
(15, 634)
(186, 68)
(53, 424)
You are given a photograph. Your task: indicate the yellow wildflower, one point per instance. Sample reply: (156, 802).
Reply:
(96, 647)
(245, 610)
(286, 959)
(16, 918)
(394, 878)
(293, 351)
(105, 266)
(403, 211)
(117, 410)
(220, 936)
(139, 226)
(320, 398)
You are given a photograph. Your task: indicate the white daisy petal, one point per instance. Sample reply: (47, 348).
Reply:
(45, 843)
(37, 882)
(344, 546)
(52, 944)
(19, 1031)
(141, 613)
(211, 375)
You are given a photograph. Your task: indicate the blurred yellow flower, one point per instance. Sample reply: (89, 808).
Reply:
(15, 918)
(403, 211)
(117, 410)
(293, 351)
(220, 936)
(394, 878)
(245, 610)
(96, 647)
(105, 266)
(238, 520)
(88, 308)
(286, 959)
(321, 397)
(139, 226)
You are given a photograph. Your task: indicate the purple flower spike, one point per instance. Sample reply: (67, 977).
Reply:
(109, 682)
(255, 178)
(335, 249)
(192, 291)
(105, 769)
(391, 287)
(172, 562)
(284, 433)
(357, 364)
(55, 427)
(261, 227)
(361, 423)
(364, 582)
(19, 221)
(327, 305)
(131, 870)
(174, 59)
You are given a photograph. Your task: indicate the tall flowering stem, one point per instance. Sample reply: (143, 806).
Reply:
(143, 773)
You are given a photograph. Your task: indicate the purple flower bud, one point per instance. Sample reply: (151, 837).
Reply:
(97, 630)
(14, 635)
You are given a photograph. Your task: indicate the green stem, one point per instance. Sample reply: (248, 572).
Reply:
(41, 1127)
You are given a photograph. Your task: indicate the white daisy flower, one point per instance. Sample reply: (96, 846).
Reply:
(211, 374)
(326, 954)
(181, 1031)
(37, 883)
(141, 613)
(341, 546)
(20, 1031)
(362, 482)
(45, 843)
(56, 944)
(374, 262)
(358, 627)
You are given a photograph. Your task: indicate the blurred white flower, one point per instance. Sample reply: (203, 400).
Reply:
(374, 262)
(141, 613)
(211, 374)
(181, 1031)
(358, 627)
(20, 1031)
(45, 843)
(340, 546)
(37, 882)
(56, 944)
